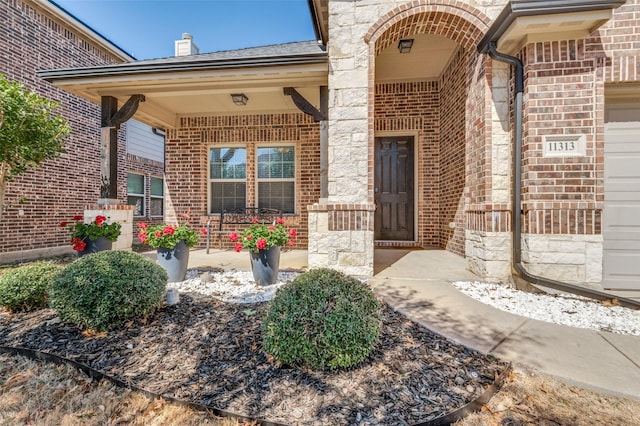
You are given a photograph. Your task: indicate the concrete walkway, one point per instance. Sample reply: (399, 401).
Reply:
(417, 283)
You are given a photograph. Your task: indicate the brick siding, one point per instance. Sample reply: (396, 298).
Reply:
(564, 95)
(29, 41)
(414, 108)
(187, 154)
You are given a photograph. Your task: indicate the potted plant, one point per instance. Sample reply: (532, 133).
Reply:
(172, 243)
(264, 241)
(92, 237)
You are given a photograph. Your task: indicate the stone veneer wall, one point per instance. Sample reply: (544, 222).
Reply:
(575, 259)
(352, 99)
(31, 40)
(187, 162)
(122, 214)
(562, 198)
(489, 162)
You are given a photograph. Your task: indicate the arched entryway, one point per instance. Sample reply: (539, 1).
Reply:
(427, 112)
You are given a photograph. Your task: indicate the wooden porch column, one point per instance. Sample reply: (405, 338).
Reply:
(324, 142)
(110, 122)
(319, 116)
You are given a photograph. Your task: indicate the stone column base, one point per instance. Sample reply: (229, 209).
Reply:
(341, 237)
(574, 259)
(123, 214)
(488, 254)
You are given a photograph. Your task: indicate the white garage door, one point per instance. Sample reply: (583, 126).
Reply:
(621, 216)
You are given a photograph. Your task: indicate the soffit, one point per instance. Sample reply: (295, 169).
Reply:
(531, 21)
(429, 56)
(169, 96)
(541, 28)
(622, 92)
(320, 15)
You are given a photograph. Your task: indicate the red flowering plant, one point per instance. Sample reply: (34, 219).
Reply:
(93, 230)
(167, 236)
(260, 236)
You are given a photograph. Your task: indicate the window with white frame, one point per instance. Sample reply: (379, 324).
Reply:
(156, 199)
(135, 193)
(227, 179)
(276, 178)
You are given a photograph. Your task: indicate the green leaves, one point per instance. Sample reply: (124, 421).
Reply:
(323, 319)
(25, 287)
(100, 291)
(30, 131)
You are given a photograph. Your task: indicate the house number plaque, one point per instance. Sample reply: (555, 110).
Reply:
(564, 146)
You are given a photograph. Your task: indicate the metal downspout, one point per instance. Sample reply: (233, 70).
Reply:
(516, 210)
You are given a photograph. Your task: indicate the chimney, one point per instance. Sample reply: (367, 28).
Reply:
(186, 47)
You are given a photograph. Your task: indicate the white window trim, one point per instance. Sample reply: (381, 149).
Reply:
(143, 195)
(294, 179)
(161, 197)
(210, 180)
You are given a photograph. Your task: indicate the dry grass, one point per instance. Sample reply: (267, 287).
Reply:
(533, 399)
(36, 393)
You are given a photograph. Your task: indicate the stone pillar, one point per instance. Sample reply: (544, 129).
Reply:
(488, 246)
(341, 237)
(122, 214)
(341, 227)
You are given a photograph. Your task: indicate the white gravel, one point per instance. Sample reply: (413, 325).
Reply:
(565, 309)
(231, 286)
(575, 311)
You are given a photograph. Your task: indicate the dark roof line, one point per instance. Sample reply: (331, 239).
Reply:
(315, 21)
(517, 8)
(71, 15)
(197, 65)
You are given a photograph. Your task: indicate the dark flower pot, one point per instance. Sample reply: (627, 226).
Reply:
(174, 261)
(95, 246)
(264, 265)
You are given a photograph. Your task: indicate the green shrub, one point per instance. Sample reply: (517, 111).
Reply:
(100, 291)
(324, 320)
(25, 287)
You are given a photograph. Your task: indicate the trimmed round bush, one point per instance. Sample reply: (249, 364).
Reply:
(323, 320)
(25, 288)
(100, 291)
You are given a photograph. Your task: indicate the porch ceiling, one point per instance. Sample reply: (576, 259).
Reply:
(429, 56)
(171, 95)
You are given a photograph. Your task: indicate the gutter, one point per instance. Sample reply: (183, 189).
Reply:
(516, 209)
(315, 21)
(517, 8)
(132, 68)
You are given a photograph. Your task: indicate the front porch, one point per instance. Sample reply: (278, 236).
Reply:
(388, 263)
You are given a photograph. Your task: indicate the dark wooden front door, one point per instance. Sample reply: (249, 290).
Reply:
(394, 188)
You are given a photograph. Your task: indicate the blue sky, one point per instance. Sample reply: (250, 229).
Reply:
(148, 28)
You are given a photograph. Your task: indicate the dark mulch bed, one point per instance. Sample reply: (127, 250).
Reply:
(209, 352)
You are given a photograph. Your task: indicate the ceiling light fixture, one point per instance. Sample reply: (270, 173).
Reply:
(239, 99)
(404, 45)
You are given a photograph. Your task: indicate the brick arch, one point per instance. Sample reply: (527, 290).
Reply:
(453, 19)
